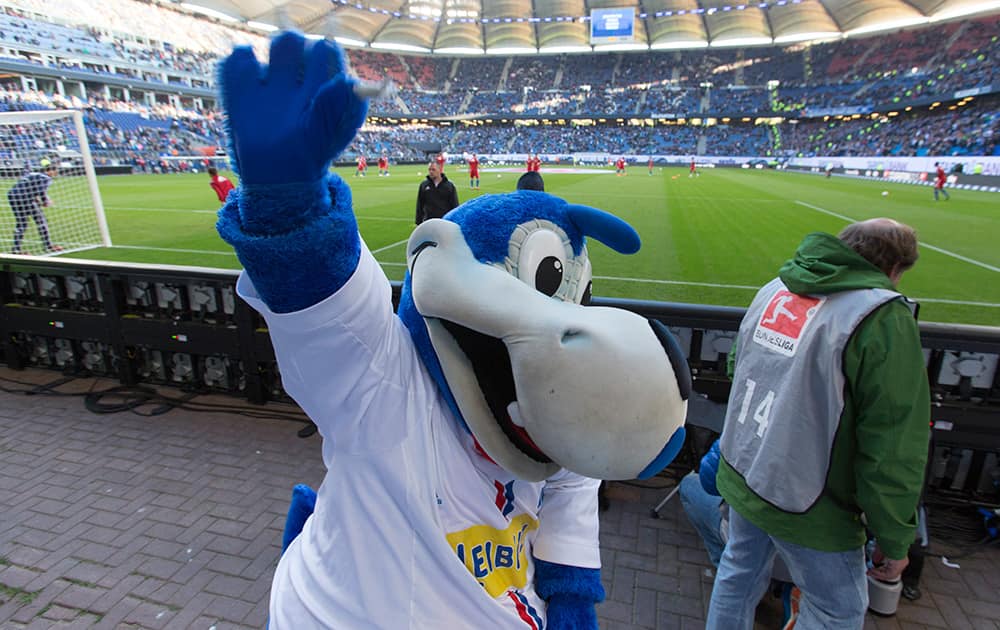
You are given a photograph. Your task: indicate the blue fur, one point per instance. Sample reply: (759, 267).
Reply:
(302, 506)
(605, 227)
(709, 468)
(301, 95)
(488, 221)
(571, 593)
(299, 252)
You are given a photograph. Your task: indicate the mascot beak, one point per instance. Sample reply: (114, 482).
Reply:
(545, 384)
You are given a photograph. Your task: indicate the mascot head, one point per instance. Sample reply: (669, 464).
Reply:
(495, 297)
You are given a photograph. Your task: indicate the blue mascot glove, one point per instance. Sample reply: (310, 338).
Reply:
(709, 468)
(286, 122)
(291, 223)
(571, 593)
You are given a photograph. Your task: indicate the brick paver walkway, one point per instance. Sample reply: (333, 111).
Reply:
(174, 521)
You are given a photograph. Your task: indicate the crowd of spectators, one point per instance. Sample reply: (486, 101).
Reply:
(538, 73)
(677, 101)
(970, 130)
(490, 102)
(739, 101)
(374, 66)
(854, 75)
(429, 73)
(435, 103)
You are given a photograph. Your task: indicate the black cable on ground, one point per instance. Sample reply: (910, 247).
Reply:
(134, 398)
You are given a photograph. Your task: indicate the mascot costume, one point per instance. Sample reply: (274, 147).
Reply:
(463, 437)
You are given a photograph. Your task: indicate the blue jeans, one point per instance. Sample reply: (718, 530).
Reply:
(703, 511)
(833, 584)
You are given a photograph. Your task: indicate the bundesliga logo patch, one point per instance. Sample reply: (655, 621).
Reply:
(784, 320)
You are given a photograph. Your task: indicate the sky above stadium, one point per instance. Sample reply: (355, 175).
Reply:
(557, 26)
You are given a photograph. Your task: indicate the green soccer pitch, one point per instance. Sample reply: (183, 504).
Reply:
(712, 239)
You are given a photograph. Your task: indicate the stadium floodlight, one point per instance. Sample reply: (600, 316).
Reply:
(812, 36)
(458, 50)
(511, 50)
(400, 47)
(262, 26)
(34, 141)
(741, 42)
(681, 44)
(620, 47)
(555, 50)
(347, 41)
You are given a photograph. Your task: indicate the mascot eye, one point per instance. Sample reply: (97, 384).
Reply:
(549, 275)
(542, 261)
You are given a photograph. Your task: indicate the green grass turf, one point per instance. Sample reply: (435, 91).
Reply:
(712, 239)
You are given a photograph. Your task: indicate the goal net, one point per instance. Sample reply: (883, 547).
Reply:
(49, 188)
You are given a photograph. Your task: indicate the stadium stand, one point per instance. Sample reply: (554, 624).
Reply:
(151, 95)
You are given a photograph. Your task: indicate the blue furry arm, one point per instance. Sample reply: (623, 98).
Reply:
(301, 252)
(571, 593)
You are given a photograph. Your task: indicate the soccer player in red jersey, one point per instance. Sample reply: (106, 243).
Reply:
(219, 184)
(620, 166)
(939, 181)
(474, 172)
(383, 165)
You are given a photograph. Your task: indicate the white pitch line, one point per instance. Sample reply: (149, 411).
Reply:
(135, 209)
(960, 257)
(396, 244)
(959, 302)
(825, 211)
(178, 250)
(939, 250)
(397, 219)
(186, 211)
(709, 285)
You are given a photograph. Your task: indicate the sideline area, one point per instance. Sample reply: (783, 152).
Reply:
(174, 521)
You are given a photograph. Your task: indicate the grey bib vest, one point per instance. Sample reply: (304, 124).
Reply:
(788, 390)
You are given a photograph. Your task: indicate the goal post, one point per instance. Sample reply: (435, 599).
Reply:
(45, 159)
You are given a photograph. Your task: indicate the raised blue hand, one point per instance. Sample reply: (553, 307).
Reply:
(289, 119)
(291, 221)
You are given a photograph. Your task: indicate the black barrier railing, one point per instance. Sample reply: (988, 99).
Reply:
(185, 327)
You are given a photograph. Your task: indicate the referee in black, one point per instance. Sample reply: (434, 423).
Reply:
(436, 196)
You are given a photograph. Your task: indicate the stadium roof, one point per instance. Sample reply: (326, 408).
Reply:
(554, 26)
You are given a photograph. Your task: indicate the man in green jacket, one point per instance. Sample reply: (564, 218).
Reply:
(828, 422)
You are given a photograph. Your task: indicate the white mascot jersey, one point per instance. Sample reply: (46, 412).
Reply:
(453, 533)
